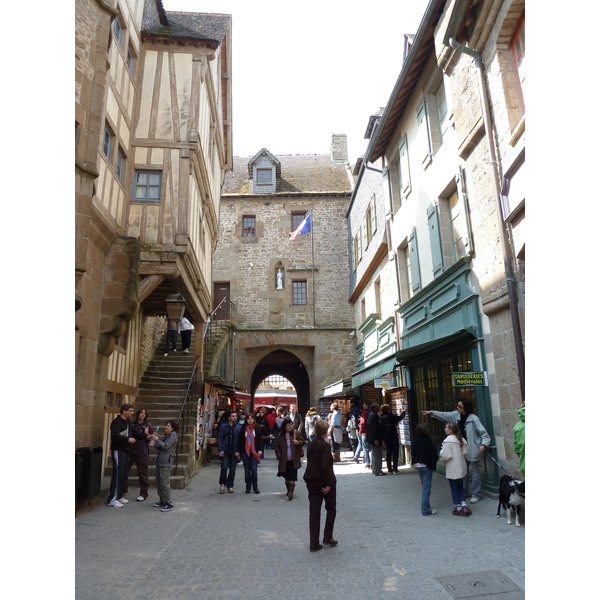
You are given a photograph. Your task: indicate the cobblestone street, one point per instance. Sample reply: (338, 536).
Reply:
(238, 545)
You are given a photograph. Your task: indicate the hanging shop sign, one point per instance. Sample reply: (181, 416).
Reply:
(384, 383)
(469, 378)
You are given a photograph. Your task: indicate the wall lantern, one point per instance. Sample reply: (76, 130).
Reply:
(175, 306)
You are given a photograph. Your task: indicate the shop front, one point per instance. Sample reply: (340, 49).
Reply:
(443, 358)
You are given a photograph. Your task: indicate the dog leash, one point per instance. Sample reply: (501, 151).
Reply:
(498, 464)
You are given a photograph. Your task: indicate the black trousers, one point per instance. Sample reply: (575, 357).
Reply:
(186, 339)
(172, 339)
(120, 473)
(315, 501)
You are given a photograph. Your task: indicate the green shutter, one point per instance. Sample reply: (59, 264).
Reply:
(434, 239)
(414, 261)
(465, 216)
(387, 192)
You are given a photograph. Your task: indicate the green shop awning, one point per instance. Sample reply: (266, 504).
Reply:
(423, 351)
(383, 367)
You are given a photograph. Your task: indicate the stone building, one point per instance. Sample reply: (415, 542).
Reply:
(287, 298)
(153, 142)
(448, 210)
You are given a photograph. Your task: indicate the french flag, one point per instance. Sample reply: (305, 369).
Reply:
(304, 227)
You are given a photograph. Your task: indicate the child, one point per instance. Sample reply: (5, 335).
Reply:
(425, 456)
(164, 461)
(454, 450)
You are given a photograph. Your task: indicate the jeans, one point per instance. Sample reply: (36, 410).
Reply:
(426, 475)
(458, 492)
(163, 484)
(228, 465)
(366, 449)
(172, 339)
(250, 471)
(353, 444)
(474, 467)
(391, 454)
(359, 447)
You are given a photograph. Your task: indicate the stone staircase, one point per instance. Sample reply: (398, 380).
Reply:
(161, 392)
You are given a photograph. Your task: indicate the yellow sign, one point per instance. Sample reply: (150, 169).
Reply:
(469, 378)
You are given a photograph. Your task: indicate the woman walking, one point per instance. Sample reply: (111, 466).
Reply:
(321, 485)
(250, 448)
(453, 452)
(336, 431)
(287, 450)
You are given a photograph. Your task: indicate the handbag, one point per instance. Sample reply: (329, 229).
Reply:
(337, 435)
(301, 450)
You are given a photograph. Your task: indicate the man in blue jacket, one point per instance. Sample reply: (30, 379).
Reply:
(227, 441)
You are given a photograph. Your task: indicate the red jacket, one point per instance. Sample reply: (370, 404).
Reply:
(362, 427)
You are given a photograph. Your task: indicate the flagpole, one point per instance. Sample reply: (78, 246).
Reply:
(312, 243)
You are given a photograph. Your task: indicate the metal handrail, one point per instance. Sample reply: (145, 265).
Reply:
(187, 392)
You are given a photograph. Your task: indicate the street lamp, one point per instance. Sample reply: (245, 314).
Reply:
(175, 306)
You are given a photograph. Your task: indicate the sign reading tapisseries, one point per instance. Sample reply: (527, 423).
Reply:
(469, 378)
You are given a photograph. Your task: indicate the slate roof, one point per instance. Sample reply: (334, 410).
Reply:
(210, 27)
(300, 173)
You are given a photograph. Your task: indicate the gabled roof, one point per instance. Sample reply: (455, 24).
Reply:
(208, 27)
(300, 173)
(266, 153)
(420, 52)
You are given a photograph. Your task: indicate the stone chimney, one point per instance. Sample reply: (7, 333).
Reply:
(339, 148)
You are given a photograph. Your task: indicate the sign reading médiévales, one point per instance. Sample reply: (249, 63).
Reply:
(468, 378)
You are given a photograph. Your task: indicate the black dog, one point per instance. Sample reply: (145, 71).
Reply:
(511, 497)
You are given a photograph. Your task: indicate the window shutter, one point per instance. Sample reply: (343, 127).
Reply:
(414, 261)
(364, 232)
(387, 192)
(464, 209)
(434, 239)
(423, 124)
(404, 170)
(373, 216)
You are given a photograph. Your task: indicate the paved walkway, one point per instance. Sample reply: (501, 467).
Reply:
(214, 546)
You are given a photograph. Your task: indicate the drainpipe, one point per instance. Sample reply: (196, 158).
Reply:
(510, 282)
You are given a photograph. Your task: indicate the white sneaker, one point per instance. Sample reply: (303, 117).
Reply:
(222, 489)
(140, 498)
(186, 350)
(166, 354)
(115, 504)
(473, 500)
(123, 501)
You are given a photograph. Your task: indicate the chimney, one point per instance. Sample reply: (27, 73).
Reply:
(339, 148)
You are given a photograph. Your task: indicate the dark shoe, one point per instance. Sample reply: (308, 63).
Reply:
(248, 491)
(330, 542)
(158, 504)
(466, 511)
(457, 512)
(315, 548)
(257, 491)
(166, 508)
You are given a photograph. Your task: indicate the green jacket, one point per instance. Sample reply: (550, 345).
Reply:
(519, 439)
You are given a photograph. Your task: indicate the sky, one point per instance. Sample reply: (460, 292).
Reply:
(301, 74)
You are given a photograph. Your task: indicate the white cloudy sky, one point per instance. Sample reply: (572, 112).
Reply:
(305, 70)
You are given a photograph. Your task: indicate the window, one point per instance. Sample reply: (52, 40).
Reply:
(297, 219)
(518, 52)
(108, 141)
(146, 186)
(264, 176)
(370, 221)
(249, 226)
(120, 168)
(442, 109)
(130, 60)
(458, 237)
(118, 31)
(403, 170)
(299, 292)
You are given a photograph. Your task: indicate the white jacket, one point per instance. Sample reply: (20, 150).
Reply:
(454, 457)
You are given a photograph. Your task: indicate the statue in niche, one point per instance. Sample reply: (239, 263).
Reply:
(279, 278)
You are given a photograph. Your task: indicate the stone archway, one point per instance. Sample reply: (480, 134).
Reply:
(288, 365)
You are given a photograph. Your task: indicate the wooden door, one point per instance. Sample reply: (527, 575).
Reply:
(221, 292)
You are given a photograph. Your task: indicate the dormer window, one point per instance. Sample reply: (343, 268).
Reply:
(264, 176)
(264, 169)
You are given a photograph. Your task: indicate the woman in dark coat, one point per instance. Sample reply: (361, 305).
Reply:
(287, 450)
(250, 448)
(321, 485)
